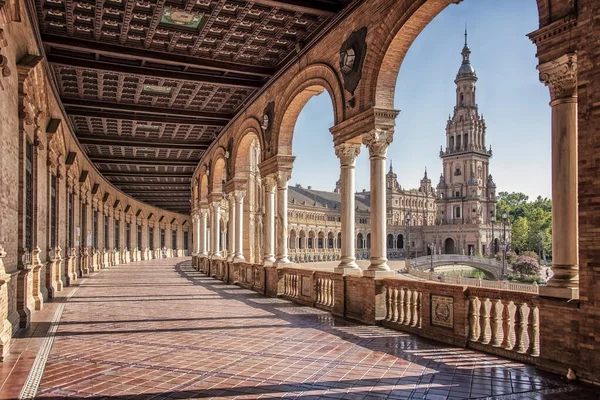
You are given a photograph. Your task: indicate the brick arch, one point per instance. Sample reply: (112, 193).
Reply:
(218, 168)
(306, 83)
(250, 130)
(203, 187)
(390, 42)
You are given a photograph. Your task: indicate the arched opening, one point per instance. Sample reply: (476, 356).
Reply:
(293, 237)
(302, 241)
(321, 240)
(400, 241)
(368, 241)
(390, 241)
(330, 240)
(311, 240)
(360, 240)
(449, 246)
(339, 240)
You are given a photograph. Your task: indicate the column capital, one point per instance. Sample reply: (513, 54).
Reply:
(378, 140)
(347, 153)
(239, 195)
(270, 182)
(282, 178)
(560, 75)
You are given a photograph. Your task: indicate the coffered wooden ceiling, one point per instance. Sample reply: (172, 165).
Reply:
(148, 85)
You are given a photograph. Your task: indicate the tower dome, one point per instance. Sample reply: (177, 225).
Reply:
(466, 69)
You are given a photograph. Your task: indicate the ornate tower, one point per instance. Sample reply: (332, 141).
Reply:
(466, 191)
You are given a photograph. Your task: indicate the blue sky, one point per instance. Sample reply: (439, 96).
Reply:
(513, 101)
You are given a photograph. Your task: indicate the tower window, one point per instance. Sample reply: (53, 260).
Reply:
(457, 212)
(462, 99)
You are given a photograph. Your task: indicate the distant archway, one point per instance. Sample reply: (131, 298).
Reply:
(449, 246)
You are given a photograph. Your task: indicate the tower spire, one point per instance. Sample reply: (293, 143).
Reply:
(465, 34)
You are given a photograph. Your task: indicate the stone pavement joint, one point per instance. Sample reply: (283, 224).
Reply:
(161, 330)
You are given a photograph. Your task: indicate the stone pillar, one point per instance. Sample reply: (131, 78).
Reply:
(560, 76)
(216, 229)
(347, 154)
(239, 226)
(378, 141)
(269, 226)
(282, 217)
(231, 227)
(202, 232)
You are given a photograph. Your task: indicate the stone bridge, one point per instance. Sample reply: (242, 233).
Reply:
(491, 267)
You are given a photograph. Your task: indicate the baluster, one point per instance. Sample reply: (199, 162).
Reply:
(419, 311)
(474, 319)
(296, 281)
(521, 316)
(486, 334)
(401, 306)
(331, 299)
(407, 302)
(497, 308)
(319, 301)
(395, 305)
(508, 325)
(415, 298)
(534, 331)
(327, 294)
(388, 301)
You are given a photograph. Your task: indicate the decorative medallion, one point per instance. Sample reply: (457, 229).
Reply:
(352, 57)
(267, 122)
(182, 19)
(442, 311)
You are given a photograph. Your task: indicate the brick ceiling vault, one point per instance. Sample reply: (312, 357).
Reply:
(149, 85)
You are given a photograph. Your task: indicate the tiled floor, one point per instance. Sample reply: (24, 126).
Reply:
(159, 329)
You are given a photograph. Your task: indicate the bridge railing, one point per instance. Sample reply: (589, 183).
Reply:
(459, 280)
(453, 258)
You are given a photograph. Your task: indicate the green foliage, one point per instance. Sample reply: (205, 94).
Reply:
(511, 256)
(531, 221)
(526, 278)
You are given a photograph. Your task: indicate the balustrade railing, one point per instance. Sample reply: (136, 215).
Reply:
(459, 280)
(290, 285)
(504, 321)
(325, 295)
(403, 306)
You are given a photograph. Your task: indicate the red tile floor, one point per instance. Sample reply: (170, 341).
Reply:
(159, 329)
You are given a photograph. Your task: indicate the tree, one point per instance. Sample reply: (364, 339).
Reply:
(520, 234)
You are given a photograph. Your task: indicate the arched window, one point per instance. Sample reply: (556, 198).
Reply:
(462, 100)
(457, 212)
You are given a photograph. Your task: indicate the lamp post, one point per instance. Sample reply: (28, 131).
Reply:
(504, 244)
(408, 235)
(493, 220)
(431, 251)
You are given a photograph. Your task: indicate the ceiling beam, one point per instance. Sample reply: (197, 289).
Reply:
(132, 53)
(153, 72)
(134, 108)
(129, 141)
(165, 119)
(144, 161)
(304, 6)
(155, 193)
(146, 174)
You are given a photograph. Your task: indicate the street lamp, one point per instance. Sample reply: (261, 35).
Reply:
(504, 244)
(431, 251)
(407, 218)
(493, 220)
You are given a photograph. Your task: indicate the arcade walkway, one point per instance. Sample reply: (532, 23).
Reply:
(158, 329)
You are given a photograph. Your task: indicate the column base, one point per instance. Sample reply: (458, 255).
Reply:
(282, 262)
(237, 259)
(379, 274)
(347, 270)
(571, 293)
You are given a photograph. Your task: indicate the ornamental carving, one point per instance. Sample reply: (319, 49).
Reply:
(378, 141)
(560, 76)
(266, 123)
(347, 153)
(352, 57)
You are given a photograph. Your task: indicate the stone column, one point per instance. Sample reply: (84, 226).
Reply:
(239, 226)
(560, 76)
(347, 154)
(269, 226)
(216, 234)
(231, 227)
(378, 142)
(202, 232)
(282, 217)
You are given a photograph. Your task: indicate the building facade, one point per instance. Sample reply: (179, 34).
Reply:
(454, 218)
